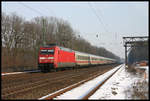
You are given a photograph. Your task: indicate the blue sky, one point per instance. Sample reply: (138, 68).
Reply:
(116, 19)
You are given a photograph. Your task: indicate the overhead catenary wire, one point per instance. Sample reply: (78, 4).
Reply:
(90, 5)
(99, 19)
(50, 10)
(38, 13)
(100, 12)
(31, 8)
(96, 36)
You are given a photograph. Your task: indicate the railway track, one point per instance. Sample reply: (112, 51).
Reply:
(19, 87)
(38, 79)
(78, 87)
(30, 86)
(22, 79)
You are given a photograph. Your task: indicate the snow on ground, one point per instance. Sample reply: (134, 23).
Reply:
(84, 89)
(11, 73)
(146, 71)
(19, 72)
(117, 87)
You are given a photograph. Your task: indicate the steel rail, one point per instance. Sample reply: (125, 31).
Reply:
(85, 96)
(98, 86)
(30, 85)
(20, 89)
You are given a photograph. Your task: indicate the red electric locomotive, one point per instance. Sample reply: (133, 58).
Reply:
(53, 57)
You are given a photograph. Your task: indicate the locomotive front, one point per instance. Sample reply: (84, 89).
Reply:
(46, 58)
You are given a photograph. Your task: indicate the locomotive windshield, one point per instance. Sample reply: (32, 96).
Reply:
(47, 51)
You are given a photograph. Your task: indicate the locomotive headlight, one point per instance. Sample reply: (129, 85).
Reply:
(42, 58)
(50, 58)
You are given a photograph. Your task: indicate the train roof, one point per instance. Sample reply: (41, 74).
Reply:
(101, 57)
(63, 48)
(50, 45)
(66, 49)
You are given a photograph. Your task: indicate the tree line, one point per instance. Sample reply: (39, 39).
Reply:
(21, 40)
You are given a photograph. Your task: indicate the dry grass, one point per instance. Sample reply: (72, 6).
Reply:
(140, 90)
(131, 70)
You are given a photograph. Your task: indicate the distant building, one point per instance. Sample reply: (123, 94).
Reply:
(138, 54)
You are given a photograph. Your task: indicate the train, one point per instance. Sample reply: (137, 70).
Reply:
(56, 57)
